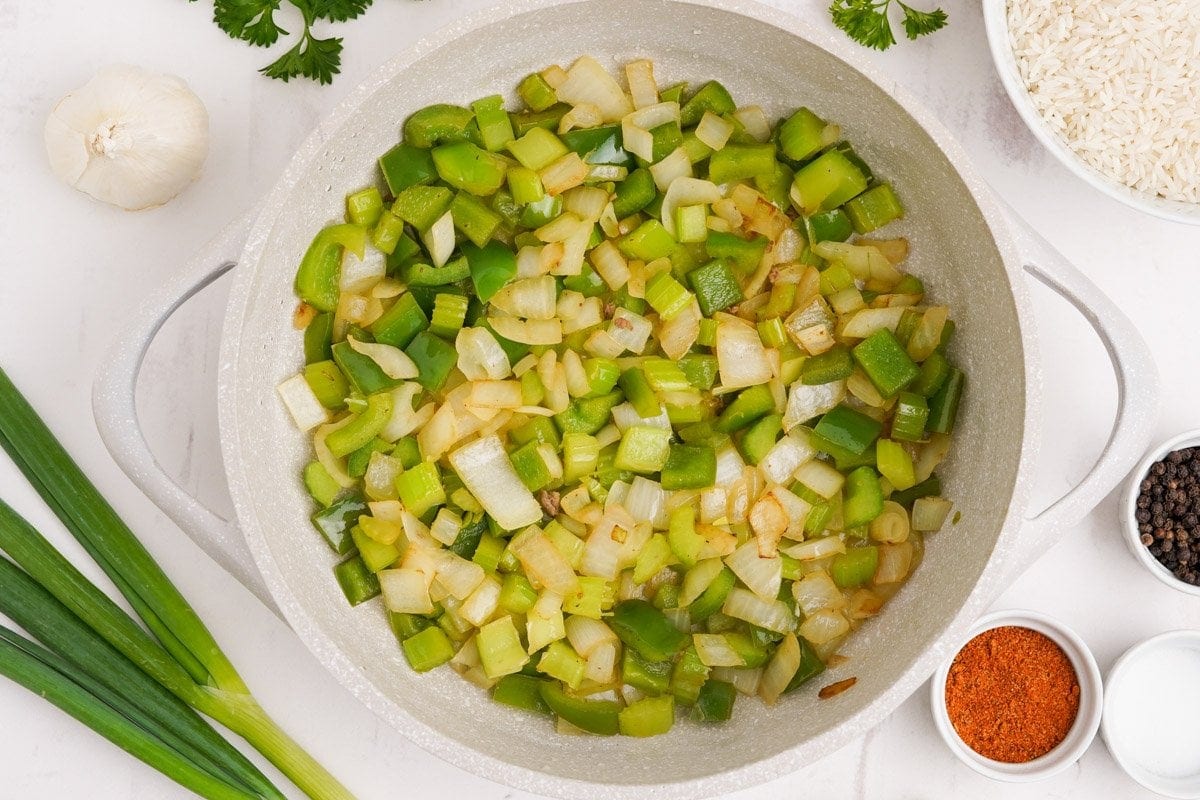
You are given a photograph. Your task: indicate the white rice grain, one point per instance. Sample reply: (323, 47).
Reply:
(1119, 82)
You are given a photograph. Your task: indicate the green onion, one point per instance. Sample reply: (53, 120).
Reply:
(186, 660)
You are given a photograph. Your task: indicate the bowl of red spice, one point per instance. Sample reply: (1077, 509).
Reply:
(1021, 700)
(1160, 512)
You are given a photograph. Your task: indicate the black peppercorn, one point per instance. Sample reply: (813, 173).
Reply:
(1168, 513)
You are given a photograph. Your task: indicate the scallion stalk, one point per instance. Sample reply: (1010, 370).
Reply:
(186, 660)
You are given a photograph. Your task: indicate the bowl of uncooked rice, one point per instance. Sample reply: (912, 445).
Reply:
(1112, 88)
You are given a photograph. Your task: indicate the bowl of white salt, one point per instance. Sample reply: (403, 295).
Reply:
(1112, 89)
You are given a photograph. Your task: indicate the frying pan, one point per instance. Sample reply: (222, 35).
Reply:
(975, 256)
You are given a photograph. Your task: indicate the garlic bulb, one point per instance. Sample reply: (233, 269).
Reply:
(129, 136)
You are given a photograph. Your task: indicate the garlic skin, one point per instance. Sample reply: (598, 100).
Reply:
(129, 136)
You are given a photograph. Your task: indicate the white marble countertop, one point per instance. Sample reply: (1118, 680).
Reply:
(72, 268)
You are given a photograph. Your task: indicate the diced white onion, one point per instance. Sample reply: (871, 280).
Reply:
(533, 331)
(439, 240)
(820, 477)
(577, 379)
(394, 362)
(458, 575)
(806, 402)
(554, 382)
(763, 576)
(713, 130)
(379, 481)
(675, 166)
(405, 591)
(866, 321)
(816, 549)
(817, 591)
(586, 634)
(360, 274)
(602, 663)
(625, 416)
(780, 670)
(584, 115)
(446, 526)
(745, 605)
(480, 356)
(544, 622)
(482, 604)
(647, 502)
(610, 264)
(632, 330)
(895, 561)
(714, 650)
(565, 173)
(686, 191)
(589, 313)
(754, 120)
(929, 513)
(931, 454)
(781, 461)
(642, 86)
(601, 343)
(741, 358)
(699, 578)
(824, 626)
(586, 202)
(588, 82)
(532, 298)
(336, 467)
(891, 526)
(300, 401)
(486, 471)
(744, 680)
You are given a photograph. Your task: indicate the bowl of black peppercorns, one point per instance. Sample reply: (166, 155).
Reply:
(1161, 512)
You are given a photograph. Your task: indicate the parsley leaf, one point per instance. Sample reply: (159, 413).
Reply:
(317, 59)
(338, 10)
(918, 23)
(249, 20)
(866, 21)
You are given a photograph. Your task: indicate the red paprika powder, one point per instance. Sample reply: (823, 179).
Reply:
(1012, 694)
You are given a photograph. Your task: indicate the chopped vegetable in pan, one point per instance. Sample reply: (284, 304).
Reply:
(621, 399)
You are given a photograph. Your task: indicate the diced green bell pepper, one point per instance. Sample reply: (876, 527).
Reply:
(320, 485)
(912, 411)
(317, 279)
(864, 497)
(835, 364)
(470, 168)
(712, 96)
(594, 716)
(848, 429)
(715, 286)
(648, 241)
(363, 427)
(801, 135)
(364, 207)
(744, 254)
(400, 323)
(689, 467)
(650, 716)
(521, 691)
(810, 667)
(885, 362)
(643, 449)
(943, 406)
(712, 599)
(760, 438)
(436, 124)
(634, 193)
(826, 182)
(327, 383)
(748, 406)
(715, 702)
(930, 487)
(421, 206)
(406, 165)
(474, 219)
(688, 677)
(334, 523)
(363, 373)
(536, 93)
(739, 162)
(828, 226)
(318, 339)
(874, 208)
(434, 357)
(647, 630)
(854, 567)
(492, 266)
(358, 583)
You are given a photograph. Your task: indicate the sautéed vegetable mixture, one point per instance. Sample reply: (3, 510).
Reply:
(621, 400)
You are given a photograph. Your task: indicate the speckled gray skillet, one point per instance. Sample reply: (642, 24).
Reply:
(968, 252)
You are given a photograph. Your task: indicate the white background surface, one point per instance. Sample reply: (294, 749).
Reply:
(71, 269)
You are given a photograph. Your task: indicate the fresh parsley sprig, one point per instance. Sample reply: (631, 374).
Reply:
(866, 21)
(253, 22)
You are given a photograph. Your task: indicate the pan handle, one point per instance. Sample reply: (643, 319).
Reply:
(115, 409)
(1137, 390)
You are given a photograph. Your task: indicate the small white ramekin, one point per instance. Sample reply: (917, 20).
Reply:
(1087, 721)
(1128, 510)
(1118, 739)
(995, 17)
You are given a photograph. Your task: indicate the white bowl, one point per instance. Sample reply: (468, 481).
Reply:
(1087, 720)
(995, 16)
(1128, 510)
(1123, 733)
